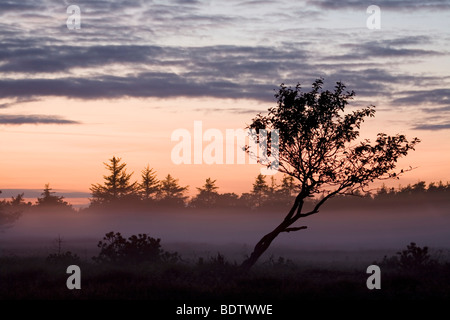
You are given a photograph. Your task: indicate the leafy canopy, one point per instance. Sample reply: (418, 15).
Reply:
(317, 141)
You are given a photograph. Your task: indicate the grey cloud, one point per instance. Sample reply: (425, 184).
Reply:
(34, 193)
(225, 58)
(371, 51)
(369, 81)
(232, 110)
(225, 71)
(237, 65)
(400, 5)
(255, 3)
(63, 58)
(102, 6)
(437, 110)
(18, 100)
(215, 79)
(432, 127)
(387, 49)
(33, 119)
(161, 85)
(408, 40)
(20, 6)
(222, 71)
(432, 96)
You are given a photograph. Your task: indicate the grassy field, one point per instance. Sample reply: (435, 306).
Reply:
(325, 264)
(214, 278)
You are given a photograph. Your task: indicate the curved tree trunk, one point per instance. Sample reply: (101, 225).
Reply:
(261, 247)
(265, 241)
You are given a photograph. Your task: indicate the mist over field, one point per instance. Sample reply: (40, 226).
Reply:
(234, 233)
(224, 151)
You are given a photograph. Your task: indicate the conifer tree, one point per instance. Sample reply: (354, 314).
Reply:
(117, 185)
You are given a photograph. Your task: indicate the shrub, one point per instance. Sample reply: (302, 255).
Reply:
(66, 258)
(412, 258)
(136, 249)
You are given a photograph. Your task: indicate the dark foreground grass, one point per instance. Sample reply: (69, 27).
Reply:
(32, 278)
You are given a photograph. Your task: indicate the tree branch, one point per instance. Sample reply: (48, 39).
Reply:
(298, 204)
(294, 229)
(320, 203)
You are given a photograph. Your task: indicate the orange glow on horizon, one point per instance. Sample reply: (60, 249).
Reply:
(138, 130)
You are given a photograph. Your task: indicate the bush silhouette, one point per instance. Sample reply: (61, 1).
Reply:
(412, 258)
(65, 258)
(136, 249)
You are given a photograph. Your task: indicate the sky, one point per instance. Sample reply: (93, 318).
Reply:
(136, 71)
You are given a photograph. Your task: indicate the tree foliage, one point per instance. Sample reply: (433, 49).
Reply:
(318, 147)
(317, 140)
(288, 186)
(171, 191)
(8, 215)
(207, 196)
(149, 186)
(260, 189)
(48, 199)
(117, 185)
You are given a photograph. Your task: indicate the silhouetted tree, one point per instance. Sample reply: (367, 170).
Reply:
(419, 187)
(149, 185)
(439, 187)
(7, 217)
(226, 200)
(19, 201)
(317, 147)
(382, 192)
(436, 187)
(117, 185)
(272, 189)
(171, 193)
(288, 186)
(385, 193)
(207, 195)
(280, 196)
(247, 200)
(259, 190)
(49, 199)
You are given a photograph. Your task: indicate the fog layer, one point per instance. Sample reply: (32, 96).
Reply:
(197, 231)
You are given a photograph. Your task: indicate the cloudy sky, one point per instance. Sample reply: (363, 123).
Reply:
(138, 70)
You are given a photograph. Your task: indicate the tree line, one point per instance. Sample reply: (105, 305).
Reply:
(118, 187)
(149, 191)
(266, 192)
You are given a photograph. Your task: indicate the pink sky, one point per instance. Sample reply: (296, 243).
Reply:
(71, 157)
(136, 71)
